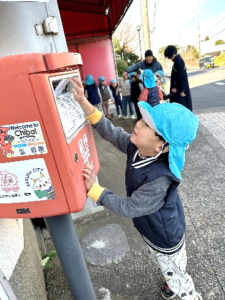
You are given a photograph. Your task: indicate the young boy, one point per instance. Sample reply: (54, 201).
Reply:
(155, 157)
(106, 95)
(116, 95)
(125, 87)
(160, 80)
(136, 89)
(179, 87)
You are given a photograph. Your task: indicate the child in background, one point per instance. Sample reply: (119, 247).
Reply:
(92, 92)
(106, 95)
(150, 84)
(116, 95)
(155, 158)
(160, 80)
(125, 87)
(136, 89)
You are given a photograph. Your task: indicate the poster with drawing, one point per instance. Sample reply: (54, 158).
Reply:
(25, 181)
(22, 139)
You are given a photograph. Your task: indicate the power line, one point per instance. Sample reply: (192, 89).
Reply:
(217, 33)
(206, 31)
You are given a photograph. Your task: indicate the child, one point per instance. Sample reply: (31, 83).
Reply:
(116, 95)
(179, 87)
(92, 92)
(150, 84)
(136, 88)
(155, 157)
(160, 81)
(125, 87)
(106, 95)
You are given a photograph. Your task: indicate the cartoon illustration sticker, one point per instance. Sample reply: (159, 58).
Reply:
(22, 139)
(25, 181)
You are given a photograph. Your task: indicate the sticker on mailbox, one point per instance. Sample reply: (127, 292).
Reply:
(22, 139)
(25, 181)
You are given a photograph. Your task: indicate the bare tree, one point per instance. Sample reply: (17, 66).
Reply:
(127, 35)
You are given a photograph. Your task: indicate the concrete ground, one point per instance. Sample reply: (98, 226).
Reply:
(119, 263)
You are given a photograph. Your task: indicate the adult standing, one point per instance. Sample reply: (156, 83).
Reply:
(150, 62)
(179, 87)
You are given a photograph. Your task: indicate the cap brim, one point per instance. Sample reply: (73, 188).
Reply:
(145, 110)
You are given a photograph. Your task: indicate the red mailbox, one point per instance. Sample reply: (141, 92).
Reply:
(45, 139)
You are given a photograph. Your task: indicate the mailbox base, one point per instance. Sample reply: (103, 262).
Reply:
(66, 242)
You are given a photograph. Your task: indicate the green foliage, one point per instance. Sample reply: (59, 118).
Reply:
(207, 38)
(124, 53)
(46, 258)
(121, 65)
(219, 42)
(220, 60)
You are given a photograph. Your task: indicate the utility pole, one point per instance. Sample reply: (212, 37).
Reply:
(199, 38)
(146, 24)
(142, 29)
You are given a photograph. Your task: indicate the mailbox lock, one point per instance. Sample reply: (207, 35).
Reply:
(76, 157)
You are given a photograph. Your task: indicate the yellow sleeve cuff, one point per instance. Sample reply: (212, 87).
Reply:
(95, 192)
(95, 117)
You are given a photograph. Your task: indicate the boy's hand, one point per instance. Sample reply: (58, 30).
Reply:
(174, 90)
(78, 90)
(89, 175)
(78, 94)
(182, 94)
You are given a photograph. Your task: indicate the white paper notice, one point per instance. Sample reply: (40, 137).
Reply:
(25, 181)
(22, 139)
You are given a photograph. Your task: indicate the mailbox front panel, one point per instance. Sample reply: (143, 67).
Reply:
(30, 183)
(69, 133)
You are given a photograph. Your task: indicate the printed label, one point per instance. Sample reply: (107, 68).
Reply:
(22, 139)
(84, 149)
(25, 181)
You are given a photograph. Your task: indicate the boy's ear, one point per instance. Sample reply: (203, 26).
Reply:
(165, 150)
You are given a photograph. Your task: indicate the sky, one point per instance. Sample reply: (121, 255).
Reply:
(177, 22)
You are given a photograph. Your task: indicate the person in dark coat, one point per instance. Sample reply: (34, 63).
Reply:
(136, 89)
(179, 87)
(150, 62)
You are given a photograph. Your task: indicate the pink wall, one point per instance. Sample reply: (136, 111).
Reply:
(97, 58)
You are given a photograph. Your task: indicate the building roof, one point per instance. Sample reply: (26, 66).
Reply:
(90, 19)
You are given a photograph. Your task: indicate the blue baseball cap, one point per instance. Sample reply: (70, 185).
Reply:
(113, 81)
(89, 80)
(149, 78)
(101, 78)
(176, 124)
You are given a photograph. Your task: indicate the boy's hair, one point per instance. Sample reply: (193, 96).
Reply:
(170, 51)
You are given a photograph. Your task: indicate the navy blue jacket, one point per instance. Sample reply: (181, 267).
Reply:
(164, 229)
(93, 96)
(179, 80)
(114, 91)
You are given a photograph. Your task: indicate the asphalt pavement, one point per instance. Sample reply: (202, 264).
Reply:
(119, 262)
